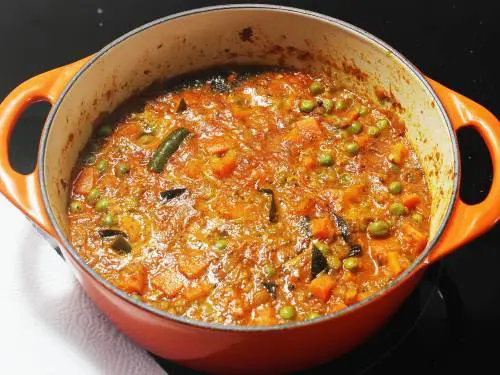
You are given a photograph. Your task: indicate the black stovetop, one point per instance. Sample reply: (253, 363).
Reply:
(452, 322)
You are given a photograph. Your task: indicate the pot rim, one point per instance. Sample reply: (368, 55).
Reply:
(360, 33)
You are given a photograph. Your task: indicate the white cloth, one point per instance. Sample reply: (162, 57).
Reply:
(47, 324)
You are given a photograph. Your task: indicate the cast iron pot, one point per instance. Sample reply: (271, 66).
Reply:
(247, 34)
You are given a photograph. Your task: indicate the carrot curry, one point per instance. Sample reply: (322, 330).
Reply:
(250, 198)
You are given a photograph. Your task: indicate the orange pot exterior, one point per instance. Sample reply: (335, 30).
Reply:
(470, 221)
(230, 352)
(24, 190)
(263, 351)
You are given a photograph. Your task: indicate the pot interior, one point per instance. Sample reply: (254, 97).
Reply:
(247, 35)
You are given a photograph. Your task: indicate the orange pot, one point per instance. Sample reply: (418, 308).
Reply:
(249, 34)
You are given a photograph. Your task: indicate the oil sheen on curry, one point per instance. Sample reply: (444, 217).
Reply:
(250, 198)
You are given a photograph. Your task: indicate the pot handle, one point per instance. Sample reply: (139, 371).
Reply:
(24, 190)
(470, 221)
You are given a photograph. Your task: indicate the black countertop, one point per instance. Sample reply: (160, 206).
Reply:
(454, 42)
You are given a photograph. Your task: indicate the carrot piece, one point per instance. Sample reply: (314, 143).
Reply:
(380, 247)
(169, 282)
(224, 166)
(237, 210)
(293, 136)
(260, 297)
(362, 140)
(350, 296)
(349, 117)
(304, 130)
(198, 291)
(309, 162)
(265, 315)
(353, 194)
(219, 146)
(322, 228)
(322, 287)
(193, 265)
(337, 307)
(85, 181)
(393, 262)
(130, 130)
(410, 200)
(133, 278)
(277, 86)
(193, 169)
(398, 125)
(333, 197)
(398, 154)
(414, 238)
(240, 112)
(309, 125)
(364, 295)
(132, 227)
(305, 206)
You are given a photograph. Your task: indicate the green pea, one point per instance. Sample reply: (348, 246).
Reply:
(344, 134)
(352, 148)
(363, 110)
(207, 308)
(221, 244)
(382, 123)
(327, 104)
(105, 130)
(145, 139)
(102, 166)
(325, 160)
(75, 207)
(137, 297)
(333, 262)
(397, 209)
(323, 247)
(237, 99)
(269, 270)
(332, 119)
(351, 263)
(355, 128)
(288, 312)
(316, 88)
(395, 187)
(122, 169)
(313, 315)
(102, 204)
(349, 95)
(394, 168)
(417, 218)
(378, 228)
(373, 131)
(307, 105)
(340, 105)
(93, 195)
(108, 220)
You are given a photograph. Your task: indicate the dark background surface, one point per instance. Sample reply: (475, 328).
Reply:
(454, 42)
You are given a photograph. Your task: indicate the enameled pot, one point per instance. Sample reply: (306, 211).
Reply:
(82, 92)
